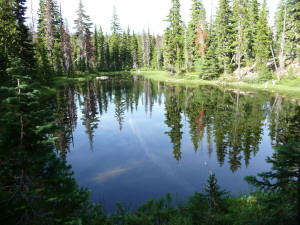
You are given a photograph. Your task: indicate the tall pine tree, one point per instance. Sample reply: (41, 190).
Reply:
(114, 42)
(196, 33)
(240, 17)
(14, 39)
(251, 29)
(49, 37)
(210, 67)
(224, 35)
(263, 36)
(83, 35)
(174, 40)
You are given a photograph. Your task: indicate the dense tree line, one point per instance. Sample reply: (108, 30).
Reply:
(37, 187)
(238, 36)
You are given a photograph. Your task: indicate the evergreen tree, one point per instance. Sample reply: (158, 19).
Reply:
(83, 35)
(208, 208)
(251, 29)
(115, 25)
(287, 30)
(14, 38)
(49, 36)
(240, 16)
(96, 47)
(128, 58)
(134, 50)
(224, 35)
(140, 51)
(114, 42)
(173, 121)
(36, 187)
(280, 32)
(75, 52)
(67, 47)
(210, 67)
(263, 36)
(281, 185)
(146, 49)
(159, 48)
(89, 49)
(174, 40)
(294, 25)
(215, 198)
(196, 33)
(107, 53)
(154, 54)
(101, 50)
(123, 50)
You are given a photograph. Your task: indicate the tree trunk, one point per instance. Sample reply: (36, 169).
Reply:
(62, 39)
(278, 77)
(281, 55)
(239, 52)
(21, 116)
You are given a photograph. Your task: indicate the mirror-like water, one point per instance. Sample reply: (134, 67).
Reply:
(129, 139)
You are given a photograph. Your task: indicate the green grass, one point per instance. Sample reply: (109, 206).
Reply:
(163, 76)
(289, 88)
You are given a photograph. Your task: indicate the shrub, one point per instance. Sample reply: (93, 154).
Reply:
(264, 73)
(291, 74)
(252, 80)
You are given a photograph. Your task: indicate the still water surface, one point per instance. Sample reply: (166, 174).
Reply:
(129, 139)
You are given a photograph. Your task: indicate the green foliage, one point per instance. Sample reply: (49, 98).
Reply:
(210, 67)
(224, 35)
(263, 36)
(291, 83)
(274, 203)
(264, 73)
(281, 185)
(208, 208)
(292, 28)
(174, 39)
(115, 26)
(240, 16)
(251, 29)
(35, 185)
(252, 80)
(49, 36)
(197, 21)
(14, 38)
(199, 65)
(83, 38)
(291, 74)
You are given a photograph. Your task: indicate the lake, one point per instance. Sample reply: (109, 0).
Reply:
(130, 139)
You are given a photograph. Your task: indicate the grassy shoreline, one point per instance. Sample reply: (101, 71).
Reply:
(187, 80)
(194, 81)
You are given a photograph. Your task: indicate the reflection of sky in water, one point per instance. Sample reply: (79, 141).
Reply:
(137, 163)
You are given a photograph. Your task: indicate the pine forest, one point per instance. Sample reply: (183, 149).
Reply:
(55, 78)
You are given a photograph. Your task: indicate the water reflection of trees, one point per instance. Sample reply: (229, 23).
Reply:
(173, 121)
(232, 123)
(66, 112)
(89, 110)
